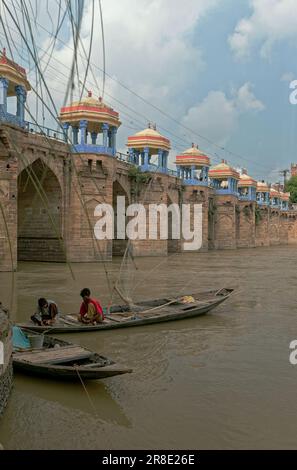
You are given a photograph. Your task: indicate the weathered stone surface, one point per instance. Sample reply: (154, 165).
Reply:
(6, 367)
(48, 196)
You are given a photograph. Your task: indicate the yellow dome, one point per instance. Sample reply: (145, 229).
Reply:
(193, 155)
(148, 133)
(15, 74)
(262, 186)
(223, 170)
(284, 196)
(150, 138)
(274, 192)
(95, 111)
(89, 101)
(246, 180)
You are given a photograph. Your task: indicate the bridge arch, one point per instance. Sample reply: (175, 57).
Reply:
(40, 214)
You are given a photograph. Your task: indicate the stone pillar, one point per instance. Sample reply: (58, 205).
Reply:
(205, 174)
(75, 135)
(65, 131)
(83, 131)
(146, 158)
(113, 135)
(21, 100)
(192, 172)
(267, 198)
(105, 128)
(165, 157)
(160, 156)
(3, 94)
(131, 155)
(94, 137)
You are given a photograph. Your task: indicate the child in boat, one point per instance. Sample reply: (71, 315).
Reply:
(46, 312)
(90, 310)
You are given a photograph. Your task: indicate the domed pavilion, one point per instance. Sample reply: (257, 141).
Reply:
(275, 198)
(13, 83)
(284, 201)
(224, 179)
(263, 193)
(94, 125)
(192, 166)
(247, 187)
(148, 143)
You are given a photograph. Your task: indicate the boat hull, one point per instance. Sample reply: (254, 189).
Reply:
(138, 321)
(62, 360)
(68, 373)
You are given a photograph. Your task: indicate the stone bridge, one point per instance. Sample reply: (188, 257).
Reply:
(48, 195)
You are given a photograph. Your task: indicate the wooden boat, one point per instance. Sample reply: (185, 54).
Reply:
(144, 313)
(62, 360)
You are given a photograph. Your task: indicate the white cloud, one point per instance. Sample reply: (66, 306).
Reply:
(271, 21)
(216, 117)
(246, 100)
(287, 77)
(148, 48)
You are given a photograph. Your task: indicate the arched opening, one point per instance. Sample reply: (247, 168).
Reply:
(39, 215)
(120, 202)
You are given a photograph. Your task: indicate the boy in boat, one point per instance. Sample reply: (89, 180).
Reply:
(90, 310)
(46, 312)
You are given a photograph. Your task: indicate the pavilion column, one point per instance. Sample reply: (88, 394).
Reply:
(21, 100)
(192, 172)
(146, 158)
(165, 158)
(178, 171)
(83, 124)
(65, 131)
(75, 135)
(131, 155)
(94, 137)
(105, 128)
(3, 94)
(113, 139)
(160, 156)
(267, 197)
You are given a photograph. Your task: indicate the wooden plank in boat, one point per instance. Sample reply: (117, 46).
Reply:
(54, 355)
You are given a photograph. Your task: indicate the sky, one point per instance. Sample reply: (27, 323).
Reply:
(213, 72)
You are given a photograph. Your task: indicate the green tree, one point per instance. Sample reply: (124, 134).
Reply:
(291, 187)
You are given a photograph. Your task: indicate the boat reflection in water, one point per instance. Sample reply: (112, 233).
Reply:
(44, 404)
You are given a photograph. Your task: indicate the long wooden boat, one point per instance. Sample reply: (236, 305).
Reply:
(144, 313)
(63, 360)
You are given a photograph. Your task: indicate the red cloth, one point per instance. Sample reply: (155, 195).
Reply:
(96, 303)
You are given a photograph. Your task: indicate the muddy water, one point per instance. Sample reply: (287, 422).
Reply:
(219, 381)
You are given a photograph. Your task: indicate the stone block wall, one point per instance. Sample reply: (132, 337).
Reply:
(245, 225)
(6, 373)
(225, 223)
(262, 226)
(274, 227)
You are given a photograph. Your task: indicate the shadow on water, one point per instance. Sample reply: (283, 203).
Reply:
(38, 407)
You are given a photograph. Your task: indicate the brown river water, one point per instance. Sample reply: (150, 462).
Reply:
(222, 381)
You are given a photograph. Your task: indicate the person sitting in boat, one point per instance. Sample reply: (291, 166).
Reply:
(90, 310)
(46, 312)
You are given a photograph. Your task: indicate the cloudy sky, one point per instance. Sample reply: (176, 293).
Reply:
(216, 72)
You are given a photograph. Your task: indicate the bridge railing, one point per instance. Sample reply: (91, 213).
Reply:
(46, 131)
